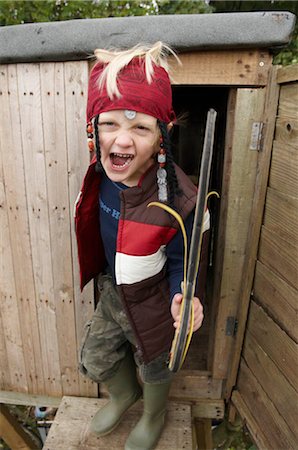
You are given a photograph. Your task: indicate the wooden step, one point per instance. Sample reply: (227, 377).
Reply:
(70, 428)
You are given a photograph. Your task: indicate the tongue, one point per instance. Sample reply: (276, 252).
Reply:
(119, 160)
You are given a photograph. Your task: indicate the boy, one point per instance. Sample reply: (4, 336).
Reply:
(136, 251)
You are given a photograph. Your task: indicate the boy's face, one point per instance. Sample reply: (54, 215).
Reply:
(128, 145)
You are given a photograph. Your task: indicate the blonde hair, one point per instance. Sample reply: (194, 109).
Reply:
(116, 60)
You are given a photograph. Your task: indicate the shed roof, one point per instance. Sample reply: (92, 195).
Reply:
(77, 39)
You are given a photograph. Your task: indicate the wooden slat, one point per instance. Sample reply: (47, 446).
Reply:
(281, 215)
(268, 422)
(239, 175)
(54, 128)
(278, 297)
(271, 378)
(5, 381)
(283, 171)
(287, 74)
(287, 120)
(4, 372)
(70, 428)
(275, 342)
(254, 227)
(228, 68)
(75, 83)
(288, 99)
(11, 338)
(251, 421)
(280, 255)
(34, 163)
(9, 314)
(13, 169)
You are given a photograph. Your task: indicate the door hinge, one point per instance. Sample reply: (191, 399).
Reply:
(257, 136)
(231, 326)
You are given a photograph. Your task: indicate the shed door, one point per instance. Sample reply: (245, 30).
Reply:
(265, 392)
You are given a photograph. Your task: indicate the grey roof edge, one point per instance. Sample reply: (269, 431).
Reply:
(77, 39)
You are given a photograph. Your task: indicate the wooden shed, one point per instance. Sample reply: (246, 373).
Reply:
(245, 355)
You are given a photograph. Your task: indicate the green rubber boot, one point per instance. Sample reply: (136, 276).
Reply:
(148, 430)
(124, 391)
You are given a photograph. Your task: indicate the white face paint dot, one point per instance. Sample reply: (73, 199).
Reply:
(129, 114)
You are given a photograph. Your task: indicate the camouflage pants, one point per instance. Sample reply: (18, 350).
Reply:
(107, 338)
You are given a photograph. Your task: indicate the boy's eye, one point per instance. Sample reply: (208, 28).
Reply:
(109, 124)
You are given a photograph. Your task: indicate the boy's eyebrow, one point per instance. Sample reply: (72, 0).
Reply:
(145, 121)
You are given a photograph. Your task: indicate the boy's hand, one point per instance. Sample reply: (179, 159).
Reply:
(198, 311)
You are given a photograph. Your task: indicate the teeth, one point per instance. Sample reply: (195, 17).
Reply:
(123, 155)
(121, 160)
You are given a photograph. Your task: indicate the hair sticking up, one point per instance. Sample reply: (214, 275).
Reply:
(116, 60)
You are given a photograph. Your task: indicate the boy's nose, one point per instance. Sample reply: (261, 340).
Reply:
(124, 139)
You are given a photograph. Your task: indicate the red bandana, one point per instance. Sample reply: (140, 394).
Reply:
(154, 99)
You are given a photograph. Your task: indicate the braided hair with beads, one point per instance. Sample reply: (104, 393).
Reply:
(98, 166)
(172, 182)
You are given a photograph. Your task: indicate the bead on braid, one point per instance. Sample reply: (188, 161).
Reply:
(173, 186)
(98, 167)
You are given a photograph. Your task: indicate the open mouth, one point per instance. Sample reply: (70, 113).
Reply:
(120, 160)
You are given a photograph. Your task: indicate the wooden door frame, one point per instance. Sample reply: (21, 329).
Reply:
(271, 104)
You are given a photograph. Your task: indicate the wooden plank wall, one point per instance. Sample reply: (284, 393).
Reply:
(267, 385)
(43, 157)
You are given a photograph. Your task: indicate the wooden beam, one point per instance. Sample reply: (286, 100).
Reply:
(208, 409)
(13, 433)
(234, 419)
(203, 430)
(18, 398)
(192, 386)
(222, 68)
